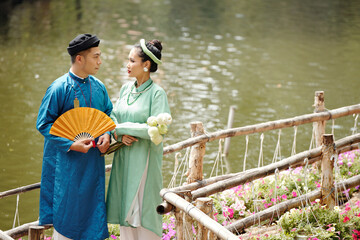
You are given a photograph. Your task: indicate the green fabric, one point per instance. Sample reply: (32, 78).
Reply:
(130, 161)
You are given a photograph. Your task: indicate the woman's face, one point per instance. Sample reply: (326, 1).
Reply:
(135, 66)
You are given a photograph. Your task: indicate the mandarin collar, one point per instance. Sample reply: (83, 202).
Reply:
(143, 86)
(78, 79)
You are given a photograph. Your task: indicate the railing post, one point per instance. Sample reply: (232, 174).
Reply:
(179, 224)
(229, 125)
(206, 206)
(197, 153)
(327, 165)
(36, 233)
(195, 172)
(319, 127)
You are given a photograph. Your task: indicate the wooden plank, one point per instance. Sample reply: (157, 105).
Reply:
(19, 190)
(267, 126)
(4, 236)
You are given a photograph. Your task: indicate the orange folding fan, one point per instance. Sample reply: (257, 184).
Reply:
(82, 122)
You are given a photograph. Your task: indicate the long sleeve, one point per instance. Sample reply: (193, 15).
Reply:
(133, 129)
(159, 104)
(48, 113)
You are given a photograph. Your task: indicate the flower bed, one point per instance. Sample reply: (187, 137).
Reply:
(247, 199)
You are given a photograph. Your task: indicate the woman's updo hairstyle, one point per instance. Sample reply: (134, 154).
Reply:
(155, 47)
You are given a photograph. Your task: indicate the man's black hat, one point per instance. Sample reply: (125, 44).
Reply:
(82, 42)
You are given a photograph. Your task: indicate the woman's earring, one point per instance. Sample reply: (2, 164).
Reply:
(145, 69)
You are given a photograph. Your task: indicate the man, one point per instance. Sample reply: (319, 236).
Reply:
(72, 195)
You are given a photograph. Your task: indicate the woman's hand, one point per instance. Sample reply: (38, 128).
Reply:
(128, 140)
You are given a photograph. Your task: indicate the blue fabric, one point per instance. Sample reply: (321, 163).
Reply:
(72, 194)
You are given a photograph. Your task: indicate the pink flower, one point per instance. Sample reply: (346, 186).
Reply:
(113, 236)
(228, 212)
(193, 229)
(164, 226)
(330, 229)
(356, 234)
(266, 205)
(231, 212)
(318, 185)
(284, 196)
(294, 194)
(346, 218)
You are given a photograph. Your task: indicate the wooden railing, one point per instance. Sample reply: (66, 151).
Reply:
(198, 188)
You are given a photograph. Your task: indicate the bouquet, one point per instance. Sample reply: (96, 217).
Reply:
(158, 126)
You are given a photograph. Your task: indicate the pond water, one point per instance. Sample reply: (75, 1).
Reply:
(265, 57)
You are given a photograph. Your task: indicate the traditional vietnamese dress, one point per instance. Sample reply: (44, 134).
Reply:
(136, 177)
(72, 194)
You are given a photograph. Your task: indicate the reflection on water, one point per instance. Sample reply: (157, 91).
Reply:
(266, 57)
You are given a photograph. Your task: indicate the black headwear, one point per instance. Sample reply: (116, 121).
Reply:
(82, 42)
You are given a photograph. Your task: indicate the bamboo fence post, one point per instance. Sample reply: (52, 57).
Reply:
(179, 224)
(319, 127)
(206, 206)
(36, 233)
(229, 125)
(195, 172)
(327, 165)
(197, 153)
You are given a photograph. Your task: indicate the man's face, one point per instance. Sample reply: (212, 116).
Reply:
(92, 61)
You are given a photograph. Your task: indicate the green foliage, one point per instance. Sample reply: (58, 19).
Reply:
(320, 222)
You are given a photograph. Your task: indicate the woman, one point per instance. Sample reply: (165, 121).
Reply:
(136, 178)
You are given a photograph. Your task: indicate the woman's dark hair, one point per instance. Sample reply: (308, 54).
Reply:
(155, 47)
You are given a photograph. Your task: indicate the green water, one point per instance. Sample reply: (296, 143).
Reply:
(266, 57)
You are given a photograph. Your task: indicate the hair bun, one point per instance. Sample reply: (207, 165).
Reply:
(156, 43)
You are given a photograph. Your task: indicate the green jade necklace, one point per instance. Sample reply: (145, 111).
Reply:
(138, 93)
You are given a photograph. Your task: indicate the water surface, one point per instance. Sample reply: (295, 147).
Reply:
(265, 57)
